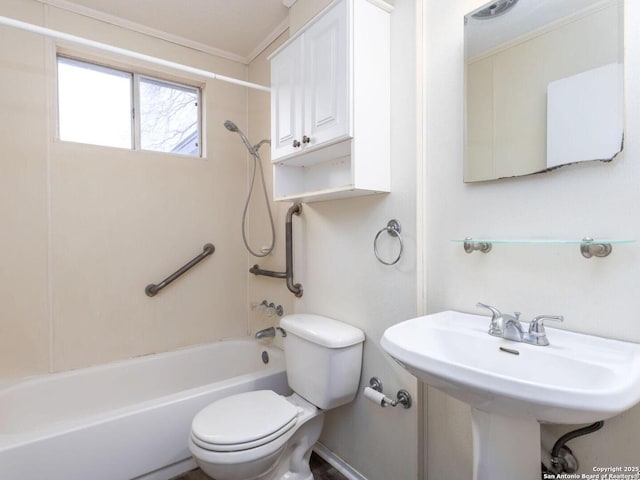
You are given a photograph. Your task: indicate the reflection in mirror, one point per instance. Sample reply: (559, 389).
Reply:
(543, 85)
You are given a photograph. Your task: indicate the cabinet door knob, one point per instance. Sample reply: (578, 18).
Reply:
(296, 144)
(305, 139)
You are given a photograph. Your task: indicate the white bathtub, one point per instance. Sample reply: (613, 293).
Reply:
(127, 419)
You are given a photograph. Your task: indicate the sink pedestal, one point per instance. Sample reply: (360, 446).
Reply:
(505, 447)
(576, 379)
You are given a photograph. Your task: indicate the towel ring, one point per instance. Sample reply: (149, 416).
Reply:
(393, 229)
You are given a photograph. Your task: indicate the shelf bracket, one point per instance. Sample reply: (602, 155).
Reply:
(589, 248)
(470, 246)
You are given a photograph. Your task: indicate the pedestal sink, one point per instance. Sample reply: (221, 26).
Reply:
(513, 386)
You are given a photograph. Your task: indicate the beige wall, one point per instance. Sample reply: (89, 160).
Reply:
(596, 296)
(24, 325)
(334, 261)
(85, 228)
(264, 288)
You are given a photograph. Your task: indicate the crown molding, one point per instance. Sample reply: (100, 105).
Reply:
(137, 27)
(279, 30)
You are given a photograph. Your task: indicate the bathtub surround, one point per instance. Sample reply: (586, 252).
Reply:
(259, 113)
(595, 297)
(24, 321)
(85, 228)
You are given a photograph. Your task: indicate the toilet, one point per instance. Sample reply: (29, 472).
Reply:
(261, 435)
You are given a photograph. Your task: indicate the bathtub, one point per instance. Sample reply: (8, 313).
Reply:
(127, 419)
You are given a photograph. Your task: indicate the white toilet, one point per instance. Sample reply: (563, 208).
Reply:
(265, 436)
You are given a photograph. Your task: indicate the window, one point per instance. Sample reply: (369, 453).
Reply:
(105, 106)
(94, 104)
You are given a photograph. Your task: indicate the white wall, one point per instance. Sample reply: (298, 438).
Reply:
(596, 296)
(86, 228)
(334, 261)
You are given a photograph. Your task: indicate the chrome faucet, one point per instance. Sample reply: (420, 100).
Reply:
(266, 333)
(512, 328)
(269, 333)
(509, 327)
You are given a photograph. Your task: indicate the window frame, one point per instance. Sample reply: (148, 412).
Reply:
(136, 75)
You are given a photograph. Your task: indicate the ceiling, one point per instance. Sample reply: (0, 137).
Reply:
(236, 29)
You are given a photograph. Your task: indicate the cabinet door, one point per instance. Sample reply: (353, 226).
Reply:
(286, 101)
(326, 112)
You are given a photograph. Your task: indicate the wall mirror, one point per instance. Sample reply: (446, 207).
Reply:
(543, 85)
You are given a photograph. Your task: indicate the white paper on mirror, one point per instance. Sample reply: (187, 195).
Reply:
(585, 116)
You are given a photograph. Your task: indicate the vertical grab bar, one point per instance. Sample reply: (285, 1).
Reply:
(294, 288)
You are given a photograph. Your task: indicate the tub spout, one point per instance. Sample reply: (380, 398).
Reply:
(266, 333)
(269, 333)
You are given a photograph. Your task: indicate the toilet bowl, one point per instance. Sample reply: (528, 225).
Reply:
(242, 437)
(261, 435)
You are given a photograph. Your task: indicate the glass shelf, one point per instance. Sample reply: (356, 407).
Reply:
(541, 241)
(589, 247)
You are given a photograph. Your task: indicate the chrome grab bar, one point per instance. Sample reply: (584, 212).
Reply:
(152, 289)
(294, 288)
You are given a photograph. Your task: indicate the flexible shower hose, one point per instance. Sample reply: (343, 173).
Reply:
(257, 160)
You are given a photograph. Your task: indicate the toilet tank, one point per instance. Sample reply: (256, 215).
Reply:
(323, 358)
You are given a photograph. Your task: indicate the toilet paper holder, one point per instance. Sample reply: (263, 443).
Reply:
(402, 397)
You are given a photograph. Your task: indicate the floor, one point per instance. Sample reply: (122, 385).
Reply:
(321, 471)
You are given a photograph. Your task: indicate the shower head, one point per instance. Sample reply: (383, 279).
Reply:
(232, 127)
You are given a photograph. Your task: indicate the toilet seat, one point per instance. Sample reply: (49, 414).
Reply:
(243, 421)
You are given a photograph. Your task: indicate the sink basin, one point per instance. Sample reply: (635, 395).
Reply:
(576, 379)
(512, 386)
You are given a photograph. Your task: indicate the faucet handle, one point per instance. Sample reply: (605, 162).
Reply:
(494, 311)
(537, 334)
(537, 324)
(496, 325)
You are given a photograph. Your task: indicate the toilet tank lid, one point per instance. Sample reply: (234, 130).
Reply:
(322, 330)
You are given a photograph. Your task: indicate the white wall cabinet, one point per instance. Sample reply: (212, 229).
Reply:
(330, 105)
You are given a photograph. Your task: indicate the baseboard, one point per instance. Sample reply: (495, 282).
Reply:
(336, 462)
